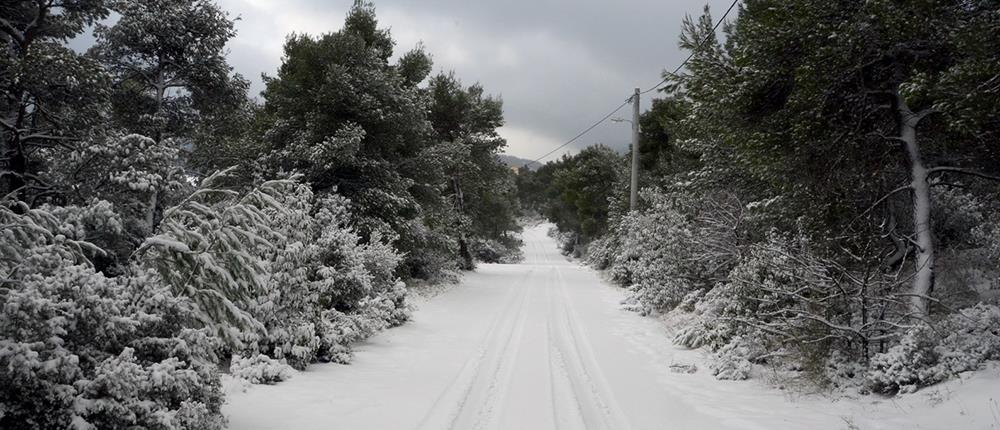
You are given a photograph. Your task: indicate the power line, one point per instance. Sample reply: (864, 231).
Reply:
(653, 88)
(693, 51)
(587, 130)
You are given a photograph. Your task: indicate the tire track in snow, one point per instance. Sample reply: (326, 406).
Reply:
(565, 407)
(486, 415)
(600, 409)
(464, 399)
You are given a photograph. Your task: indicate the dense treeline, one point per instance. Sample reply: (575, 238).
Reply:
(820, 192)
(158, 224)
(577, 193)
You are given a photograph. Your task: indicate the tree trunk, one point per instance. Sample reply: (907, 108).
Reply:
(923, 280)
(464, 253)
(13, 166)
(158, 137)
(161, 88)
(151, 211)
(14, 163)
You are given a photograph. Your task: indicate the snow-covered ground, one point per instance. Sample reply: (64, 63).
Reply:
(544, 345)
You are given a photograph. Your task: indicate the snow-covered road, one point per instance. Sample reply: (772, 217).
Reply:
(538, 345)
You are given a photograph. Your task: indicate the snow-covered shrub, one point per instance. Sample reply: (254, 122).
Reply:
(80, 349)
(733, 361)
(601, 252)
(691, 300)
(206, 249)
(125, 392)
(494, 251)
(97, 222)
(296, 343)
(568, 241)
(710, 328)
(260, 369)
(907, 365)
(841, 370)
(676, 245)
(631, 263)
(338, 330)
(439, 259)
(288, 303)
(320, 278)
(782, 297)
(389, 305)
(932, 353)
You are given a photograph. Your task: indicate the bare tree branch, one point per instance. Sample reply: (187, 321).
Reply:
(963, 171)
(883, 199)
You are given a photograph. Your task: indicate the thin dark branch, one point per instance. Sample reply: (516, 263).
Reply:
(963, 171)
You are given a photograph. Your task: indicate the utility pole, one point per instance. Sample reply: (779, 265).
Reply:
(634, 194)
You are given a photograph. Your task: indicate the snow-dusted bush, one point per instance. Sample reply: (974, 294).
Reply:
(968, 259)
(710, 328)
(273, 271)
(260, 369)
(338, 330)
(494, 251)
(841, 370)
(568, 241)
(319, 278)
(97, 222)
(80, 349)
(439, 258)
(647, 259)
(668, 250)
(206, 248)
(928, 354)
(733, 361)
(702, 254)
(785, 297)
(127, 392)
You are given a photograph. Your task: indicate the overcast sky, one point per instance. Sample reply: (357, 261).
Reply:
(559, 65)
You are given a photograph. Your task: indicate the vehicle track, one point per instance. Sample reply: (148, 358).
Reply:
(469, 401)
(591, 389)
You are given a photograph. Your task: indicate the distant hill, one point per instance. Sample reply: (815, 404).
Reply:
(515, 162)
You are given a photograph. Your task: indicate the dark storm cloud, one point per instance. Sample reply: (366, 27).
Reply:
(558, 65)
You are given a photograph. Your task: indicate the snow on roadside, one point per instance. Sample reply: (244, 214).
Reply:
(403, 375)
(970, 401)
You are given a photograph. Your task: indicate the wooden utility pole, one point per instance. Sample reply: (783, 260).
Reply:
(634, 194)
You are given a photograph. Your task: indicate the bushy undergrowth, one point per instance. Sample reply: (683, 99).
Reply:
(273, 274)
(667, 252)
(260, 369)
(323, 288)
(775, 299)
(495, 251)
(79, 349)
(932, 353)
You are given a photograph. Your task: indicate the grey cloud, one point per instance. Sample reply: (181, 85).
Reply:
(591, 56)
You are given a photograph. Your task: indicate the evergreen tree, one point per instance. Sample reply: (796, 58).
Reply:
(168, 62)
(52, 96)
(478, 184)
